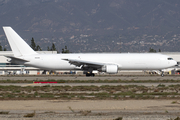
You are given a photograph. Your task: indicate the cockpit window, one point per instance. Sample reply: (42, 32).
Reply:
(170, 58)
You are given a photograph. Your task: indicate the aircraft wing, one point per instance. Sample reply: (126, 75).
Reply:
(15, 58)
(83, 62)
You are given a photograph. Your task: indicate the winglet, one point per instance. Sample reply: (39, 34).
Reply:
(18, 45)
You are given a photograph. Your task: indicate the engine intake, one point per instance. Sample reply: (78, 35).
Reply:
(112, 69)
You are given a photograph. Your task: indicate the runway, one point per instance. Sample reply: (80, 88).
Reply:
(76, 77)
(88, 84)
(83, 78)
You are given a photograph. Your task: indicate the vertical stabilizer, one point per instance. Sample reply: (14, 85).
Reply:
(18, 45)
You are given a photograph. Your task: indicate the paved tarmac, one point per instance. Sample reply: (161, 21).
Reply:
(88, 84)
(54, 77)
(76, 77)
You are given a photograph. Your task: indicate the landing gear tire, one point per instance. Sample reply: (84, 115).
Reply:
(90, 74)
(93, 75)
(87, 74)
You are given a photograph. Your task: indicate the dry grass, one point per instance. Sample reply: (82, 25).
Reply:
(89, 92)
(30, 114)
(4, 112)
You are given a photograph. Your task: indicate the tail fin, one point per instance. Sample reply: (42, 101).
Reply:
(18, 45)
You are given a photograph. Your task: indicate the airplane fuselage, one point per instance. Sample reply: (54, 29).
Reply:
(87, 62)
(125, 61)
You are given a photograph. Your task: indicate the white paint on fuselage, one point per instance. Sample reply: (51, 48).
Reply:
(125, 61)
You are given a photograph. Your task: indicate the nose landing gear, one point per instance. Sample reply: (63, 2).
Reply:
(162, 74)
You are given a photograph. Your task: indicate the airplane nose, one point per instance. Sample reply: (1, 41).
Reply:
(175, 63)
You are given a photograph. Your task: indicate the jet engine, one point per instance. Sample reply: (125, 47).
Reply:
(112, 69)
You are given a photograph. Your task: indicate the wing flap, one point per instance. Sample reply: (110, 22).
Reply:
(83, 62)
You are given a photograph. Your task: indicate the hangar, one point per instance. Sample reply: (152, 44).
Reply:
(10, 68)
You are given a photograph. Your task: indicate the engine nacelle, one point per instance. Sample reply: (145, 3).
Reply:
(9, 59)
(112, 69)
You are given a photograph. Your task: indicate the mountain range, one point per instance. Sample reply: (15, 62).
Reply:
(94, 25)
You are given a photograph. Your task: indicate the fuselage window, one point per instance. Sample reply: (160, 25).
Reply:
(170, 58)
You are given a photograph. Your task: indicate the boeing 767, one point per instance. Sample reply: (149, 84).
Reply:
(87, 62)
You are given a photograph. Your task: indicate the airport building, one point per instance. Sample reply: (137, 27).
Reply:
(11, 68)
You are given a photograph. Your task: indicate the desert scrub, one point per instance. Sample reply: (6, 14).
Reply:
(30, 114)
(4, 112)
(46, 95)
(161, 85)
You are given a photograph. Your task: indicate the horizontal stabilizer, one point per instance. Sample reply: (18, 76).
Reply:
(15, 58)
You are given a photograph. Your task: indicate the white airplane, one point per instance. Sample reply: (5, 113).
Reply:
(87, 62)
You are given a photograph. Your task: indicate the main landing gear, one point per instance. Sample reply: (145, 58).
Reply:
(88, 74)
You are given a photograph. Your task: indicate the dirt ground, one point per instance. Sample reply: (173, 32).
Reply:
(154, 109)
(63, 105)
(91, 109)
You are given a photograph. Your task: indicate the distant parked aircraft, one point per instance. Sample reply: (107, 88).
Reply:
(87, 62)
